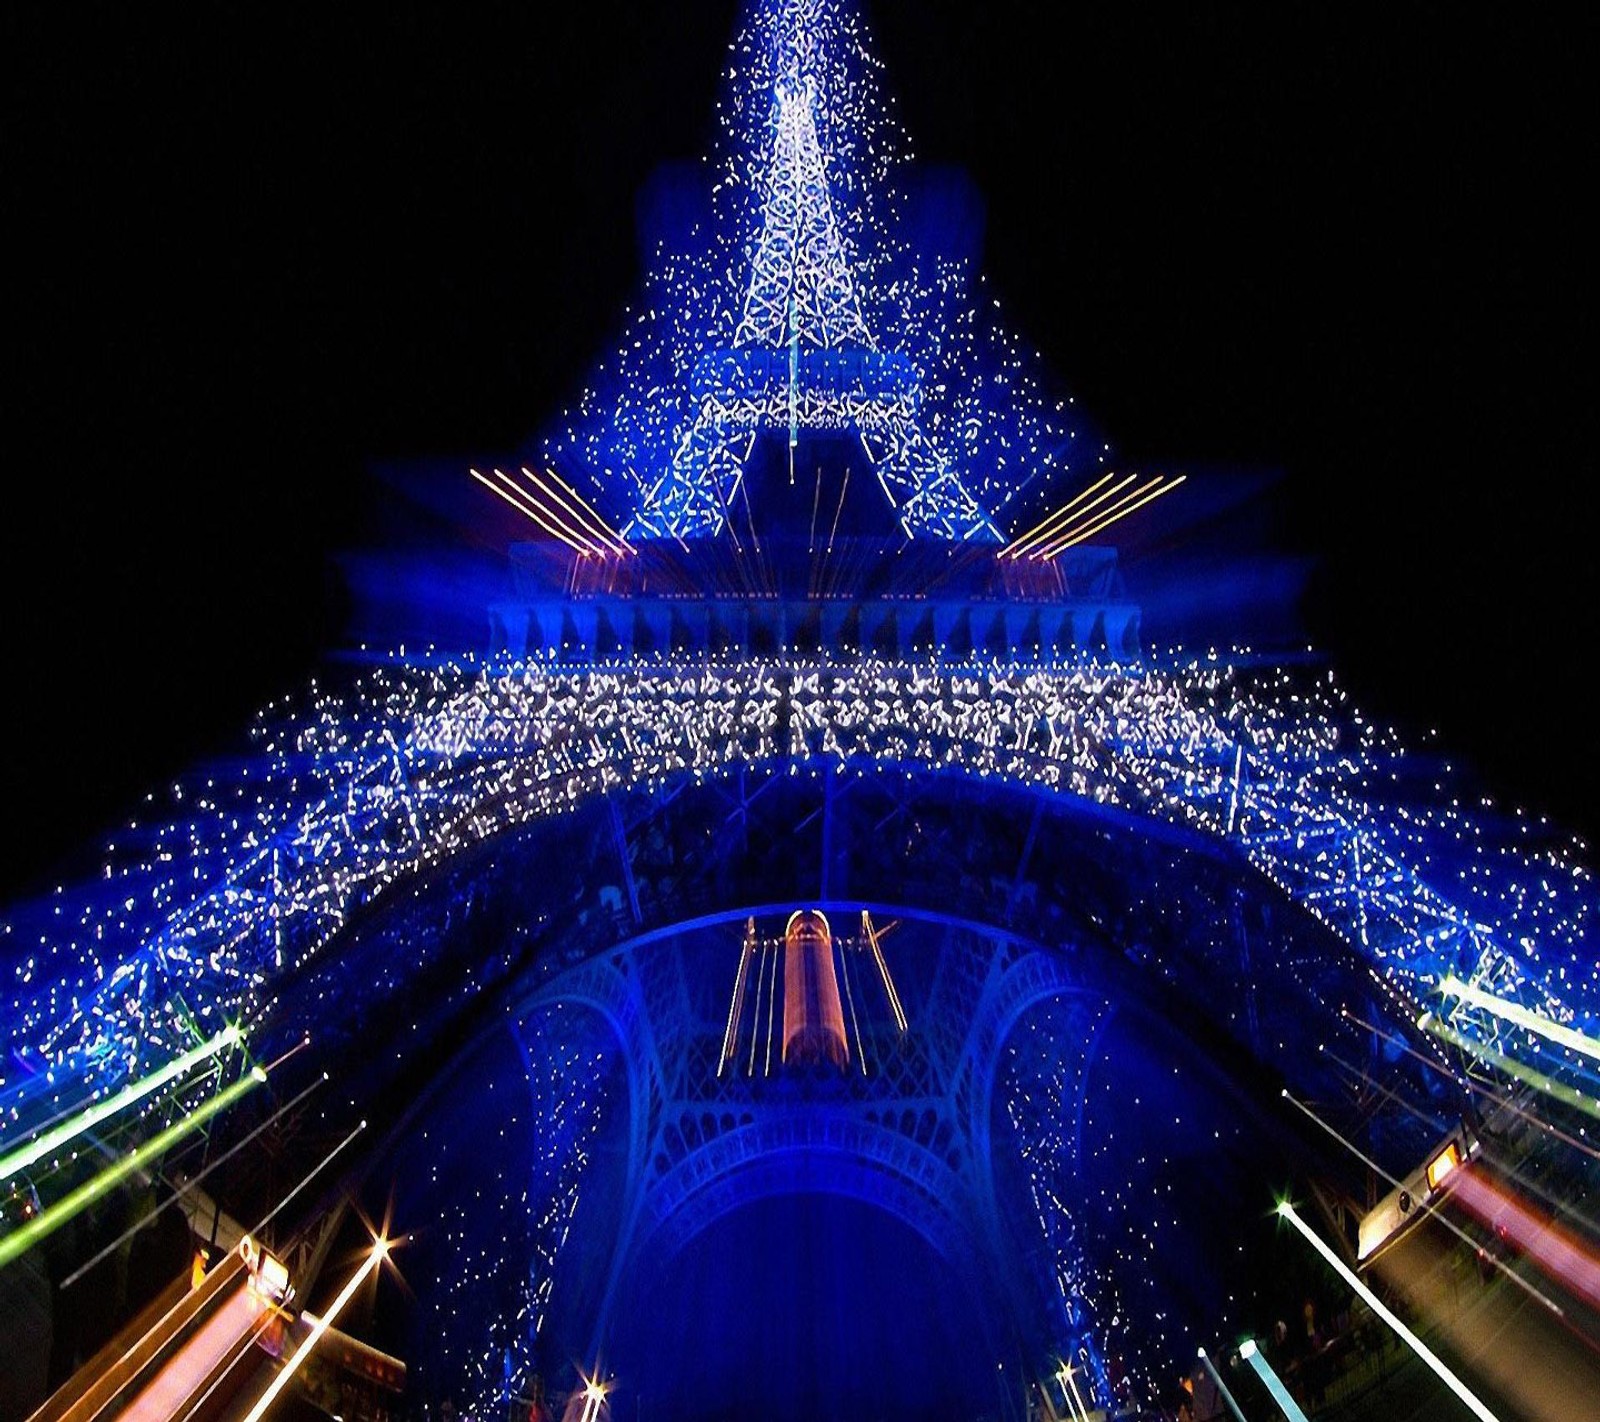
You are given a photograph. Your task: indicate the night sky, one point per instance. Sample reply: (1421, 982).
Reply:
(264, 254)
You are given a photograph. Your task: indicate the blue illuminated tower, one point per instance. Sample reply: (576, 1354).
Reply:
(1109, 872)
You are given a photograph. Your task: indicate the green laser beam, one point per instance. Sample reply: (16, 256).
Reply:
(21, 1240)
(35, 1150)
(1520, 1016)
(1546, 1085)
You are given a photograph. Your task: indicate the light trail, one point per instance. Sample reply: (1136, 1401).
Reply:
(1027, 540)
(245, 1344)
(730, 1033)
(553, 509)
(883, 971)
(512, 496)
(1288, 1212)
(594, 1396)
(19, 1241)
(1520, 1016)
(544, 518)
(1431, 1210)
(1274, 1384)
(1502, 1166)
(1063, 536)
(316, 1170)
(1222, 1387)
(35, 1150)
(772, 1002)
(587, 518)
(755, 1025)
(1061, 1381)
(376, 1256)
(1068, 1372)
(843, 957)
(1528, 1076)
(188, 1185)
(1106, 523)
(1558, 1255)
(1468, 1084)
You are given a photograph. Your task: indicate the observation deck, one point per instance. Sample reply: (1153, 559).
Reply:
(710, 602)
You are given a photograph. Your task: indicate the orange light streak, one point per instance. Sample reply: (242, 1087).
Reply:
(586, 520)
(1034, 536)
(511, 496)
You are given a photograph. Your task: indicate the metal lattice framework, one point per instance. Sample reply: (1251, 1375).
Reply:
(197, 917)
(411, 769)
(801, 284)
(910, 1134)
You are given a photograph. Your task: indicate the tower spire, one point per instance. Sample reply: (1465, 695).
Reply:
(803, 356)
(801, 270)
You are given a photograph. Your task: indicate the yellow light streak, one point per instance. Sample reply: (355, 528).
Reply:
(35, 1150)
(557, 514)
(511, 497)
(1054, 518)
(883, 971)
(546, 518)
(1062, 537)
(1538, 1080)
(730, 1033)
(1026, 540)
(1107, 522)
(378, 1253)
(19, 1241)
(1520, 1016)
(1067, 1372)
(588, 520)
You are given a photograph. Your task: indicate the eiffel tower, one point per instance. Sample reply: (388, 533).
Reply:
(803, 357)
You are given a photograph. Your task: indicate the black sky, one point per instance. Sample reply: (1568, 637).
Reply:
(259, 253)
